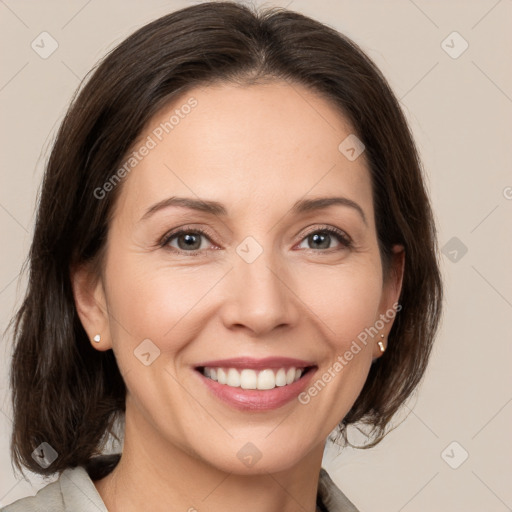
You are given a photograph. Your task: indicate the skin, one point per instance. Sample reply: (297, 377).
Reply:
(257, 149)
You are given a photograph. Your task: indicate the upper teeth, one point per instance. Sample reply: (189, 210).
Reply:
(251, 379)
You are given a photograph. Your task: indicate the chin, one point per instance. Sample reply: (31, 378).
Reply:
(260, 456)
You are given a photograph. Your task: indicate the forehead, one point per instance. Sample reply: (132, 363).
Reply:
(250, 146)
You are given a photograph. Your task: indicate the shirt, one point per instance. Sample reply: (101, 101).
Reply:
(74, 491)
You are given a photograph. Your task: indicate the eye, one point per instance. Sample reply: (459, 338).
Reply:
(188, 240)
(321, 238)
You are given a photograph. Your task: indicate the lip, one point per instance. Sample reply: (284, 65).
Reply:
(256, 364)
(254, 399)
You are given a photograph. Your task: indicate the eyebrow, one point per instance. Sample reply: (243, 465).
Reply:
(216, 208)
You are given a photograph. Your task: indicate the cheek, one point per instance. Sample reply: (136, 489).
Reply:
(347, 303)
(156, 301)
(346, 299)
(151, 299)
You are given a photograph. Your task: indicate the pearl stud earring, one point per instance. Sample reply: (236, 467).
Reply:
(97, 338)
(381, 345)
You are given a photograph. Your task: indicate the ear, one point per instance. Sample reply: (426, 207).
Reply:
(391, 288)
(91, 305)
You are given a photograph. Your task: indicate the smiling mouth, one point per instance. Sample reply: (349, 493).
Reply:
(248, 378)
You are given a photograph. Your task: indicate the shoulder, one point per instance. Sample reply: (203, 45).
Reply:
(333, 500)
(74, 491)
(47, 498)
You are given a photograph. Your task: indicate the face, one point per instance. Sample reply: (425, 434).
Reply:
(251, 284)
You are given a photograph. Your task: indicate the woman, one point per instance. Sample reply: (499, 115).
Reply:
(235, 254)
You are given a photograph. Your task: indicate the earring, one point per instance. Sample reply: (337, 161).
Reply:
(381, 345)
(97, 338)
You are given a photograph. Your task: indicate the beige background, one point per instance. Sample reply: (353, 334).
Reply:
(460, 111)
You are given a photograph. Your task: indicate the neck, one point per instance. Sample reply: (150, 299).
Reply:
(159, 476)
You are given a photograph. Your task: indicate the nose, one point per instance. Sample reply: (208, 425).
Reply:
(260, 296)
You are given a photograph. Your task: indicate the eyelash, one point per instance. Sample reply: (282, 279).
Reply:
(341, 236)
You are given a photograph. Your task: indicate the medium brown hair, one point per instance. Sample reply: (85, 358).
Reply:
(66, 393)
